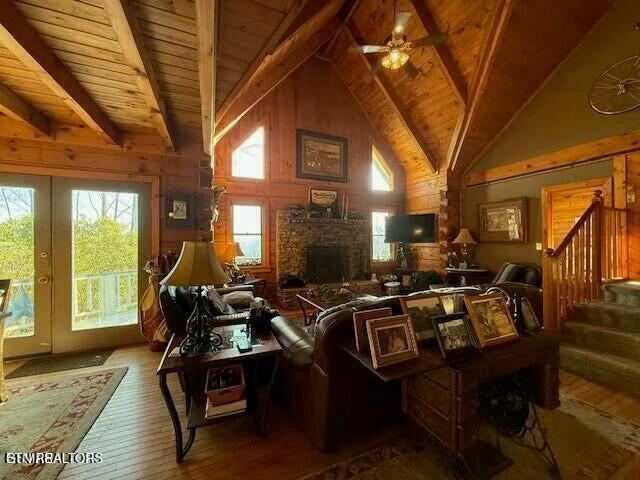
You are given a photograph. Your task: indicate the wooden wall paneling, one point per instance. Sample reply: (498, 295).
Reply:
(125, 24)
(633, 213)
(24, 42)
(286, 59)
(15, 107)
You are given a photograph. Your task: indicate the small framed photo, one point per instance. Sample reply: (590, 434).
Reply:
(391, 340)
(181, 211)
(454, 334)
(491, 319)
(421, 309)
(529, 315)
(360, 328)
(324, 201)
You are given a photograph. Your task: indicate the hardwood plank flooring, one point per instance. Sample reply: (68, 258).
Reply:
(135, 436)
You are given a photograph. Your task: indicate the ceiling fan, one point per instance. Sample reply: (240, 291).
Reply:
(397, 49)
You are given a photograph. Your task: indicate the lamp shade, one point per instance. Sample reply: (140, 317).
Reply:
(464, 237)
(233, 250)
(197, 265)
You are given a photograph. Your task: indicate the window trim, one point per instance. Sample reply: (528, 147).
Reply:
(391, 211)
(265, 266)
(375, 154)
(264, 124)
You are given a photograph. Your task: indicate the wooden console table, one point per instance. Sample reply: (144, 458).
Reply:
(442, 396)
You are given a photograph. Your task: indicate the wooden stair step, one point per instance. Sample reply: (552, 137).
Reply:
(603, 368)
(607, 340)
(608, 315)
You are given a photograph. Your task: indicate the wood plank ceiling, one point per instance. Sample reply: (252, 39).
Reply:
(134, 65)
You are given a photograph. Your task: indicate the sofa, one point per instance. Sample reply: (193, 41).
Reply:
(315, 372)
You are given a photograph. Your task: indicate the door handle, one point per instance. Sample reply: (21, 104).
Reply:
(43, 280)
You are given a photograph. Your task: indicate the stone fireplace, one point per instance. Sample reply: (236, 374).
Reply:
(322, 250)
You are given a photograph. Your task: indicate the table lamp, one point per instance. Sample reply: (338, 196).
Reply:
(233, 251)
(198, 266)
(464, 239)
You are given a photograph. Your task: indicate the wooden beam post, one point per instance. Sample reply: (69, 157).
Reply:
(125, 24)
(17, 108)
(394, 101)
(17, 35)
(292, 53)
(207, 12)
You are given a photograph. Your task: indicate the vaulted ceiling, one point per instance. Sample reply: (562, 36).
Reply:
(112, 67)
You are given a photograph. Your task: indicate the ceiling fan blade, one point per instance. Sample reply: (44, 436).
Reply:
(413, 71)
(372, 72)
(433, 39)
(366, 48)
(402, 18)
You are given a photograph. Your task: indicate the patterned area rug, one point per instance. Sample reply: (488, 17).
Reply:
(588, 446)
(51, 416)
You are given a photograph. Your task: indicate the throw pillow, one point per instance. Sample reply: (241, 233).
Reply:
(217, 302)
(238, 300)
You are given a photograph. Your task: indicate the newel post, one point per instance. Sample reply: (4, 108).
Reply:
(549, 291)
(598, 234)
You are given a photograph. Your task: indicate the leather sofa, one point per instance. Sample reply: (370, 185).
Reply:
(322, 389)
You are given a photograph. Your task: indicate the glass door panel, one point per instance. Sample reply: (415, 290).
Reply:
(105, 259)
(101, 240)
(25, 259)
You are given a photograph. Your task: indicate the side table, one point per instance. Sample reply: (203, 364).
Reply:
(262, 362)
(472, 276)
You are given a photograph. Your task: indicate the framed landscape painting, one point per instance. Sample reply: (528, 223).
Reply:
(504, 221)
(321, 157)
(491, 319)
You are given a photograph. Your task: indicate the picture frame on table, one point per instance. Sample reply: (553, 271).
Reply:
(454, 334)
(321, 157)
(421, 309)
(180, 210)
(391, 340)
(360, 325)
(505, 221)
(491, 320)
(529, 316)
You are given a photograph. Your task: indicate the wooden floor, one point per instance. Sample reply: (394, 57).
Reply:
(135, 436)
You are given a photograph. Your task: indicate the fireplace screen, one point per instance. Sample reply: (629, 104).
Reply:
(327, 264)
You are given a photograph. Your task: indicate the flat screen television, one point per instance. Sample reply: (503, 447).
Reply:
(411, 228)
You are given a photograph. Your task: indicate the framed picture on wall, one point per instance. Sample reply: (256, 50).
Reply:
(504, 221)
(181, 210)
(321, 157)
(323, 201)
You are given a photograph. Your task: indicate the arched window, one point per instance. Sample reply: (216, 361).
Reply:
(247, 161)
(381, 176)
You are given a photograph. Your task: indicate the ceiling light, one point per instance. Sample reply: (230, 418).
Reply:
(395, 59)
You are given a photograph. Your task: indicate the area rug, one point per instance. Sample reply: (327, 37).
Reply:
(51, 416)
(588, 446)
(61, 362)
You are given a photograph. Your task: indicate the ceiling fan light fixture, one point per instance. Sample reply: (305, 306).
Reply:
(395, 59)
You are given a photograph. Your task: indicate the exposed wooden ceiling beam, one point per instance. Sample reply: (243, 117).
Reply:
(285, 60)
(493, 39)
(393, 100)
(17, 108)
(347, 12)
(266, 51)
(125, 24)
(207, 12)
(442, 54)
(25, 43)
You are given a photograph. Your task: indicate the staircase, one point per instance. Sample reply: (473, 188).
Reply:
(602, 338)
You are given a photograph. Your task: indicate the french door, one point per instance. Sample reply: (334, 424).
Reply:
(90, 240)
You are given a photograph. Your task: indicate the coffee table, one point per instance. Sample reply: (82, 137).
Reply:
(261, 362)
(322, 303)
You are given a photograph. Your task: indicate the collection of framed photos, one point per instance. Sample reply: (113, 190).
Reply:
(459, 323)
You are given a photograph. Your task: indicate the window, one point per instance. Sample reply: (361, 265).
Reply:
(247, 231)
(247, 160)
(381, 176)
(380, 251)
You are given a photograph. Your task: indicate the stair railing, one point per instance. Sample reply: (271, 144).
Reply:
(593, 252)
